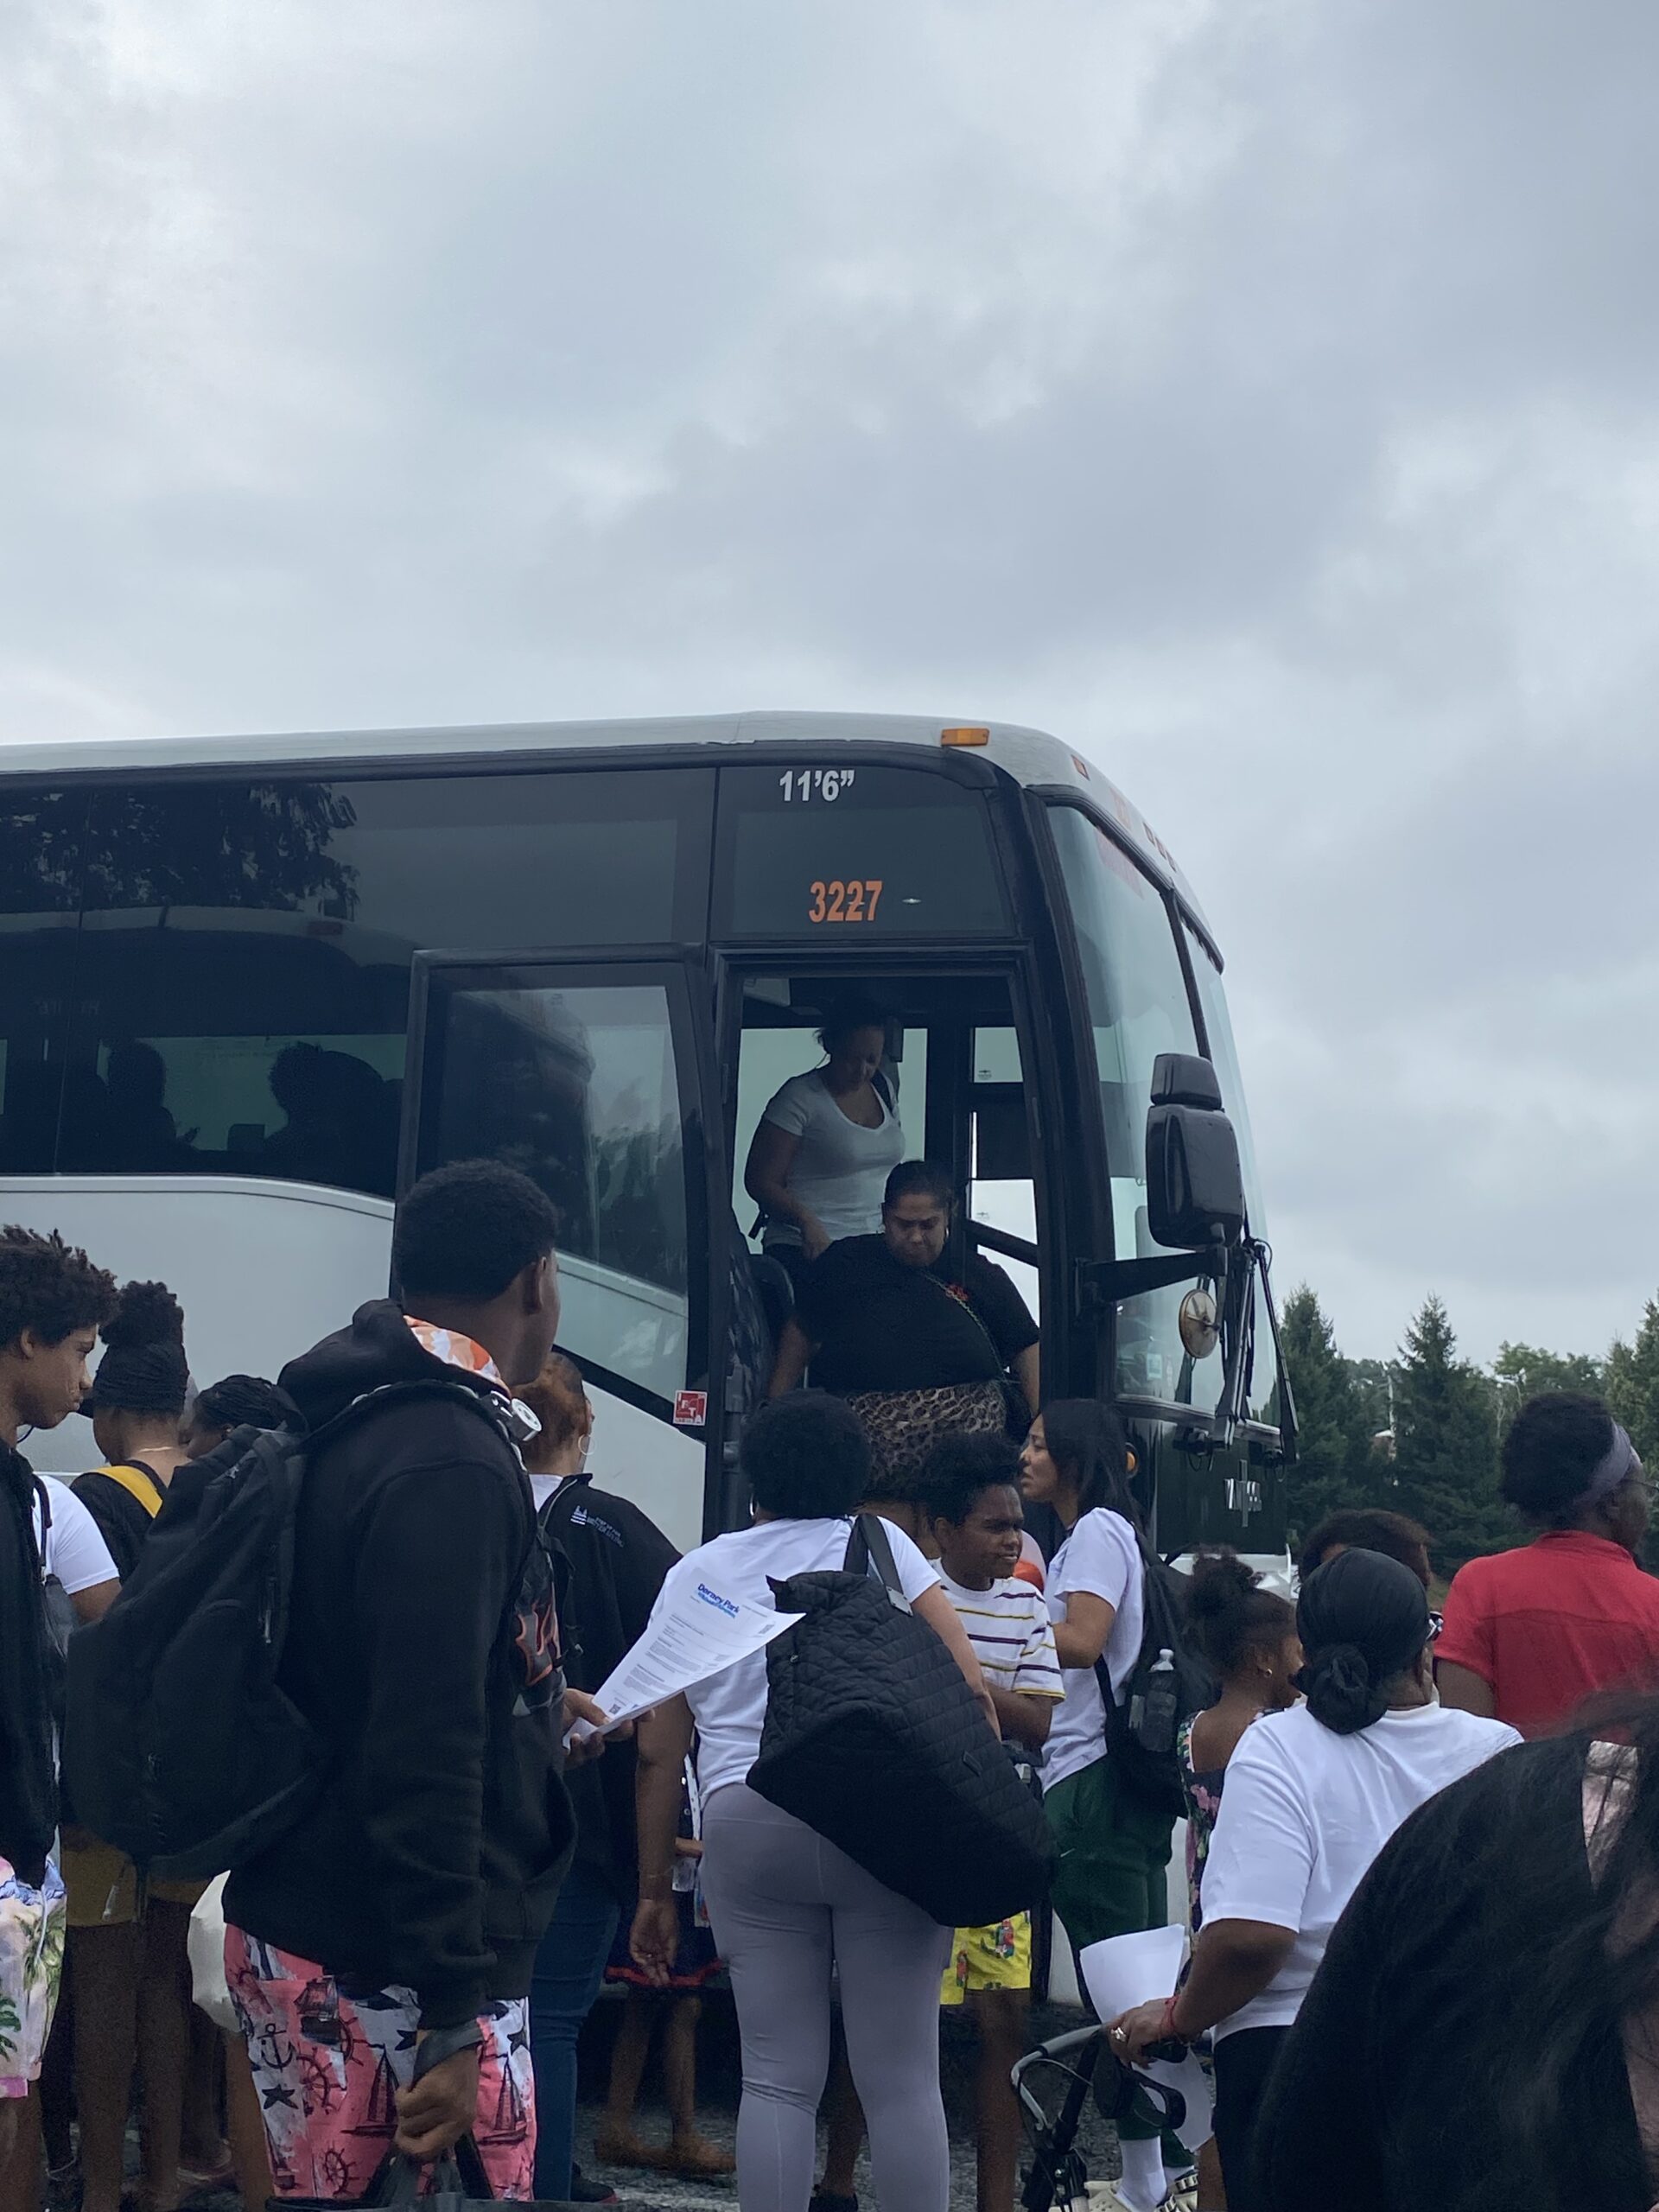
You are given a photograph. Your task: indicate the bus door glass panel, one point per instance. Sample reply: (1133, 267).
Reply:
(1138, 1007)
(582, 1085)
(1261, 1394)
(243, 1007)
(1003, 1193)
(41, 841)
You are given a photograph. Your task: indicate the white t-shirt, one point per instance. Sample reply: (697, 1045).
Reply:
(1011, 1635)
(1101, 1556)
(1305, 1812)
(730, 1708)
(72, 1547)
(840, 1170)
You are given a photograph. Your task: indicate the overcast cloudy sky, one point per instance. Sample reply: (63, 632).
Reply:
(1262, 397)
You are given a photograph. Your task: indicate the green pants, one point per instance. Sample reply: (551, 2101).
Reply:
(1114, 1861)
(1112, 1877)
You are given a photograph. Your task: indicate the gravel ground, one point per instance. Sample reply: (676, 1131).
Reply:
(718, 2075)
(718, 2078)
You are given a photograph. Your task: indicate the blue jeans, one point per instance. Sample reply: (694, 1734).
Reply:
(570, 1968)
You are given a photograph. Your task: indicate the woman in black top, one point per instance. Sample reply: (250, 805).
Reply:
(1483, 2032)
(129, 1942)
(918, 1350)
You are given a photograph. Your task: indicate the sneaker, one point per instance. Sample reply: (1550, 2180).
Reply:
(583, 2191)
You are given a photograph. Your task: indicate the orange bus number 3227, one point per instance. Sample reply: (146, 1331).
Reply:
(853, 901)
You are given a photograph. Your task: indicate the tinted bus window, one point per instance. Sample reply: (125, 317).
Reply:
(579, 1086)
(848, 855)
(40, 899)
(243, 993)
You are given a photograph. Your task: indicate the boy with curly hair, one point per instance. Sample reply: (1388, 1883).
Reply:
(52, 1299)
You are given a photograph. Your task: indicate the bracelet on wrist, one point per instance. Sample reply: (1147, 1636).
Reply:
(1167, 2030)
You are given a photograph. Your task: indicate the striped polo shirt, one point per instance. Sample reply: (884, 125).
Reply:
(1011, 1635)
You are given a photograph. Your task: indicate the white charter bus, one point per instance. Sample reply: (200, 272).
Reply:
(252, 986)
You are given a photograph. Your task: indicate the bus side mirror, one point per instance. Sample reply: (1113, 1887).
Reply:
(1195, 1188)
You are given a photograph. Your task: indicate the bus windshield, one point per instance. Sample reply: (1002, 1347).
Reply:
(1137, 1007)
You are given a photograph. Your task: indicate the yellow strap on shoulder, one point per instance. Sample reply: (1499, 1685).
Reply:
(136, 1483)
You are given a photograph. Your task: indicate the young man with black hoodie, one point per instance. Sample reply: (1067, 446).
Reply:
(52, 1299)
(423, 1645)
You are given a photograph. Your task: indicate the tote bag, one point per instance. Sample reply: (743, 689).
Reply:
(873, 1739)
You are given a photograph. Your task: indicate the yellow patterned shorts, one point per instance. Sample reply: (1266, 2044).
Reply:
(997, 1957)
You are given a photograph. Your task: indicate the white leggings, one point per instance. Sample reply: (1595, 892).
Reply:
(783, 1904)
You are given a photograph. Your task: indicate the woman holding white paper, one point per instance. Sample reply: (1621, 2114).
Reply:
(1312, 1796)
(784, 1901)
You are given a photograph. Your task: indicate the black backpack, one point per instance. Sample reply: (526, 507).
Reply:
(872, 1737)
(1141, 1728)
(181, 1746)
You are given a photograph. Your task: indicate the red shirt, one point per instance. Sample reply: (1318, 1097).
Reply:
(1548, 1625)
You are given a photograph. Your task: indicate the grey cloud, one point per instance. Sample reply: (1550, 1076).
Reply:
(1259, 394)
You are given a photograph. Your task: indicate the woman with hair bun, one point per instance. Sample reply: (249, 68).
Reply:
(1312, 1796)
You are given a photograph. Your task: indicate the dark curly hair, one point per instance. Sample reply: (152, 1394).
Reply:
(1232, 1617)
(143, 1369)
(1368, 1529)
(806, 1457)
(959, 1468)
(1552, 1447)
(245, 1402)
(465, 1230)
(49, 1286)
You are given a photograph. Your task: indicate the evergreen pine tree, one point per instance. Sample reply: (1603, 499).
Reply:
(1332, 1441)
(1633, 1385)
(1445, 1445)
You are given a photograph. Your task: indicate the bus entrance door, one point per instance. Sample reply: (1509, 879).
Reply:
(963, 1077)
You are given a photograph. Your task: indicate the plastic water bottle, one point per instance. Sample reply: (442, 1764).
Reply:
(1160, 1717)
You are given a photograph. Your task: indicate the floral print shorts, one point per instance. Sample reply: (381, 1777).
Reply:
(996, 1957)
(31, 1924)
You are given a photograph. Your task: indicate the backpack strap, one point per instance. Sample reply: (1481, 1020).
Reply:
(867, 1548)
(140, 1484)
(1115, 1704)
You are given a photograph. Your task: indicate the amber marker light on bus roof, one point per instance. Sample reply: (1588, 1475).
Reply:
(964, 737)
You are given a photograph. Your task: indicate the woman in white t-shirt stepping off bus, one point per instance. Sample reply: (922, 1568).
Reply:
(827, 1143)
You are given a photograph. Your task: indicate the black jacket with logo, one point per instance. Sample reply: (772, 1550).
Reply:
(423, 1644)
(619, 1559)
